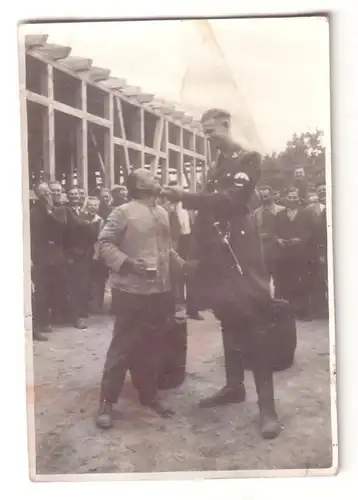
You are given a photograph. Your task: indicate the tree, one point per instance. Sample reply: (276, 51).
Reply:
(305, 150)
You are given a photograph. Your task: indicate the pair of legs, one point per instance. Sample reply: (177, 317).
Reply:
(247, 336)
(78, 269)
(137, 346)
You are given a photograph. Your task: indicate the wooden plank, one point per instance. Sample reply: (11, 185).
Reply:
(35, 40)
(131, 91)
(77, 63)
(98, 153)
(54, 51)
(142, 136)
(177, 115)
(123, 130)
(114, 83)
(48, 121)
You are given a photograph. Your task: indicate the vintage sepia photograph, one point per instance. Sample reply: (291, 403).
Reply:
(178, 256)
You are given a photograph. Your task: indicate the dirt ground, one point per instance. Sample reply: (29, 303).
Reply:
(67, 376)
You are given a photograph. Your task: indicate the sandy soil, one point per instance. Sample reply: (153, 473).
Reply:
(67, 376)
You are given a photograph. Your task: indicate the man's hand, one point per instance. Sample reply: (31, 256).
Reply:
(136, 266)
(281, 243)
(172, 193)
(295, 241)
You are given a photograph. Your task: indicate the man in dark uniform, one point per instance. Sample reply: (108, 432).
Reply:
(235, 287)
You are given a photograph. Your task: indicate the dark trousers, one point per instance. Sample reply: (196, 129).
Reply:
(98, 279)
(50, 294)
(78, 276)
(248, 336)
(42, 280)
(137, 344)
(292, 283)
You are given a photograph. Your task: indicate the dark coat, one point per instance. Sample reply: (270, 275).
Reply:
(47, 234)
(224, 204)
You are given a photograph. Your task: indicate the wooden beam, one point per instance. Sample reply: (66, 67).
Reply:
(158, 137)
(35, 40)
(123, 133)
(131, 91)
(115, 83)
(98, 74)
(77, 63)
(181, 159)
(142, 135)
(69, 110)
(187, 119)
(53, 51)
(138, 147)
(144, 98)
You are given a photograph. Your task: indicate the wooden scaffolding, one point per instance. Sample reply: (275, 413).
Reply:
(88, 128)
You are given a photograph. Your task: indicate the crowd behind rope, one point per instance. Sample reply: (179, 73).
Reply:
(69, 276)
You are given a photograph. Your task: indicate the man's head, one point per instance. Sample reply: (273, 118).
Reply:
(41, 189)
(142, 184)
(216, 126)
(105, 196)
(82, 194)
(321, 193)
(299, 173)
(293, 198)
(313, 198)
(119, 195)
(266, 195)
(73, 195)
(56, 192)
(92, 205)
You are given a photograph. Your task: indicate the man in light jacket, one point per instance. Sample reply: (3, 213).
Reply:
(136, 245)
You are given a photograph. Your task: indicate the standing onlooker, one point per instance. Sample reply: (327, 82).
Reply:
(265, 219)
(105, 207)
(119, 195)
(82, 197)
(292, 229)
(301, 184)
(78, 256)
(317, 251)
(97, 279)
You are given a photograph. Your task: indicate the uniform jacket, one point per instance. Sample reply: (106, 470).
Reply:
(224, 204)
(136, 230)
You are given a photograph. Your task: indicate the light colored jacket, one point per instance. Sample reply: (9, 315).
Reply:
(138, 231)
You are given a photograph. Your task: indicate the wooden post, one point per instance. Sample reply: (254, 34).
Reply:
(82, 141)
(158, 137)
(49, 129)
(165, 167)
(193, 167)
(109, 146)
(142, 138)
(123, 130)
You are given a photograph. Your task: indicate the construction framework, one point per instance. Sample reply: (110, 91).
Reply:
(88, 128)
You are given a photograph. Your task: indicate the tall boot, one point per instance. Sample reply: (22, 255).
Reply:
(269, 424)
(234, 390)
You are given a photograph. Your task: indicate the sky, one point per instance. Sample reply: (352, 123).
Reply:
(272, 74)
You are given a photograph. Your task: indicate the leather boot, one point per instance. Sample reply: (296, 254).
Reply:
(269, 424)
(234, 390)
(225, 396)
(104, 418)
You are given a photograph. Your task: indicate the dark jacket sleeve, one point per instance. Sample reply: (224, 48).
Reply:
(243, 177)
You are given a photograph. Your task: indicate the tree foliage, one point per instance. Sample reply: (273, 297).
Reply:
(306, 151)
